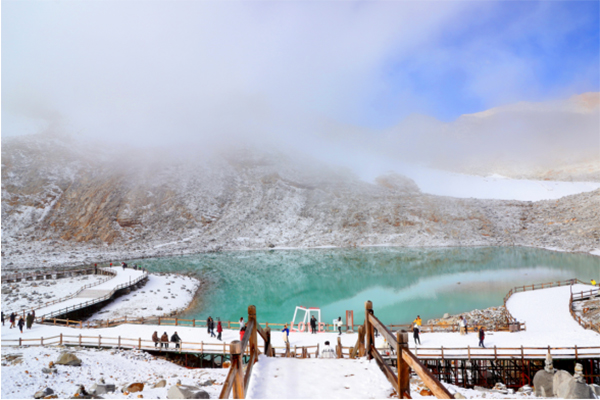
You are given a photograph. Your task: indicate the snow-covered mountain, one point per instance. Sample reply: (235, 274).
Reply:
(67, 202)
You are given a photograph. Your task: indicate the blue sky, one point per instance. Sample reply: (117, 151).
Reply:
(204, 71)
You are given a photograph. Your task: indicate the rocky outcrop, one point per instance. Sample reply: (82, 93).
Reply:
(186, 392)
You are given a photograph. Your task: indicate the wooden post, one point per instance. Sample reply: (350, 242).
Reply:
(469, 352)
(140, 343)
(61, 339)
(80, 339)
(176, 321)
(368, 329)
(42, 341)
(119, 345)
(442, 347)
(80, 324)
(158, 320)
(235, 349)
(20, 341)
(253, 335)
(194, 322)
(576, 355)
(338, 348)
(495, 353)
(99, 341)
(403, 368)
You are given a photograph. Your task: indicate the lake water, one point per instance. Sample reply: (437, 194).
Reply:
(400, 282)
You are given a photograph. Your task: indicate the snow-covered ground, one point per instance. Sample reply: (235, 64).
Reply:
(23, 377)
(34, 294)
(161, 295)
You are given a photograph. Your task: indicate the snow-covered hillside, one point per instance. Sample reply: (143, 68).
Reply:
(85, 205)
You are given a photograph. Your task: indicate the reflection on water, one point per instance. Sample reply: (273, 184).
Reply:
(401, 282)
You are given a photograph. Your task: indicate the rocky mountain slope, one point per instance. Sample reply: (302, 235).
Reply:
(65, 202)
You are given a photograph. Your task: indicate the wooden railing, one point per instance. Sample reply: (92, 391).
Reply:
(404, 358)
(88, 303)
(237, 380)
(111, 274)
(525, 288)
(583, 295)
(44, 274)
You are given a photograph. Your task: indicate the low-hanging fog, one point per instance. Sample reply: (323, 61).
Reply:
(372, 86)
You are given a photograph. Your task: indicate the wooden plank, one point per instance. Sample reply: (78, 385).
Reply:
(248, 374)
(247, 334)
(389, 336)
(426, 376)
(228, 384)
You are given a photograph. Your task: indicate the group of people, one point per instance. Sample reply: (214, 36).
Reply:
(210, 326)
(27, 321)
(164, 340)
(462, 325)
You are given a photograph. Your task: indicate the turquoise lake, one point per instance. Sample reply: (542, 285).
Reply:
(400, 282)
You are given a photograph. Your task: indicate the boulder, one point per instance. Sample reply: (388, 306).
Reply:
(160, 384)
(102, 388)
(133, 387)
(209, 382)
(525, 389)
(49, 370)
(596, 389)
(68, 359)
(186, 392)
(560, 379)
(572, 389)
(43, 393)
(457, 395)
(543, 383)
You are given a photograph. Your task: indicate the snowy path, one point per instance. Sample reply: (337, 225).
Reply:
(123, 276)
(288, 378)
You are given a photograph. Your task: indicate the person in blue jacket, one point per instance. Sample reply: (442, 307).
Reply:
(286, 334)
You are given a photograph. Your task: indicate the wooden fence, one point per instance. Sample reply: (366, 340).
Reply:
(40, 275)
(91, 302)
(101, 271)
(405, 360)
(581, 296)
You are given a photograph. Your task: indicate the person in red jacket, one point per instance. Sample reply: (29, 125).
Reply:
(242, 332)
(219, 329)
(481, 337)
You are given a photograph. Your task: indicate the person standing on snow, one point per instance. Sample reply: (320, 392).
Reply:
(21, 323)
(2, 318)
(155, 339)
(481, 337)
(219, 329)
(242, 323)
(327, 351)
(339, 324)
(210, 326)
(461, 325)
(12, 318)
(29, 320)
(418, 320)
(416, 331)
(313, 324)
(286, 334)
(242, 333)
(176, 339)
(164, 341)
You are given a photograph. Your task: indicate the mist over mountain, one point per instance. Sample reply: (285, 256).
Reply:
(65, 201)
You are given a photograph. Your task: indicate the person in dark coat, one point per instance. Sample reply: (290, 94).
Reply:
(21, 323)
(481, 337)
(176, 339)
(313, 324)
(164, 340)
(155, 339)
(210, 325)
(12, 318)
(29, 320)
(219, 329)
(268, 335)
(2, 318)
(416, 332)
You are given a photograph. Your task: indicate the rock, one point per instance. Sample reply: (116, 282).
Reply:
(159, 308)
(133, 387)
(186, 392)
(596, 389)
(43, 393)
(160, 384)
(559, 383)
(211, 382)
(525, 389)
(102, 388)
(543, 383)
(481, 389)
(457, 395)
(573, 389)
(68, 359)
(6, 290)
(446, 315)
(49, 370)
(426, 392)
